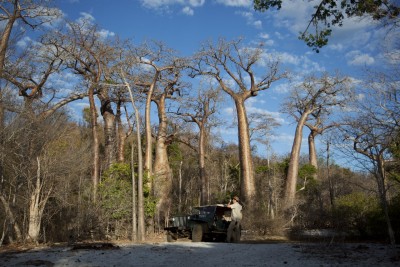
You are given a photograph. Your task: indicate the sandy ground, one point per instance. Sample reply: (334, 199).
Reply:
(186, 253)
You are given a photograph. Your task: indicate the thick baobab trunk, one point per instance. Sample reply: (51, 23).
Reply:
(247, 183)
(162, 171)
(109, 131)
(293, 170)
(204, 198)
(312, 152)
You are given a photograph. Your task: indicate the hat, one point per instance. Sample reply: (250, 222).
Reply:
(236, 198)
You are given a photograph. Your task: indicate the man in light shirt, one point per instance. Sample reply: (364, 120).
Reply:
(236, 218)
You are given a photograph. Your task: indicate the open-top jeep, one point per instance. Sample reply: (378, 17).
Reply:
(205, 223)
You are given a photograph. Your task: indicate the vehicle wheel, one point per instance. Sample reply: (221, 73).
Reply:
(171, 237)
(197, 233)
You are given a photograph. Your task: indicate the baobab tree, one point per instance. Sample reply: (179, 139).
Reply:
(314, 95)
(199, 109)
(169, 85)
(90, 56)
(232, 65)
(153, 59)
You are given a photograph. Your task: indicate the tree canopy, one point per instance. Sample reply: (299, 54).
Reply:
(330, 13)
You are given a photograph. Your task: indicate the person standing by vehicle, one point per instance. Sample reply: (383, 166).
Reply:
(236, 218)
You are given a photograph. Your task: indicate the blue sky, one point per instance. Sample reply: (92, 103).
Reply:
(184, 24)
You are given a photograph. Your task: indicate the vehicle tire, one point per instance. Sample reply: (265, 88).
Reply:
(197, 233)
(171, 237)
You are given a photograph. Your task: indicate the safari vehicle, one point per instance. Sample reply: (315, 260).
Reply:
(205, 223)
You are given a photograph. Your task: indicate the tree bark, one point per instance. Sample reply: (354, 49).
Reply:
(121, 136)
(37, 204)
(96, 143)
(293, 170)
(148, 159)
(11, 218)
(312, 153)
(109, 130)
(6, 36)
(381, 181)
(140, 197)
(247, 184)
(162, 171)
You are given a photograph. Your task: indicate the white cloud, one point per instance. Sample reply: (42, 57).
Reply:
(23, 43)
(236, 3)
(105, 33)
(357, 58)
(294, 15)
(267, 41)
(86, 16)
(188, 11)
(257, 24)
(281, 88)
(196, 3)
(250, 19)
(156, 4)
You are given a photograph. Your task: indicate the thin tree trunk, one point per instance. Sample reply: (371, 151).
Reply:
(37, 204)
(180, 188)
(328, 175)
(96, 147)
(121, 136)
(6, 36)
(148, 162)
(11, 218)
(141, 224)
(134, 202)
(381, 180)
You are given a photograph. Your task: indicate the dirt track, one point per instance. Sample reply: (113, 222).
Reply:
(186, 253)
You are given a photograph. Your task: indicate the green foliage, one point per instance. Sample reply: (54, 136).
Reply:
(307, 171)
(175, 155)
(86, 115)
(330, 13)
(262, 169)
(317, 40)
(115, 191)
(149, 201)
(264, 5)
(358, 211)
